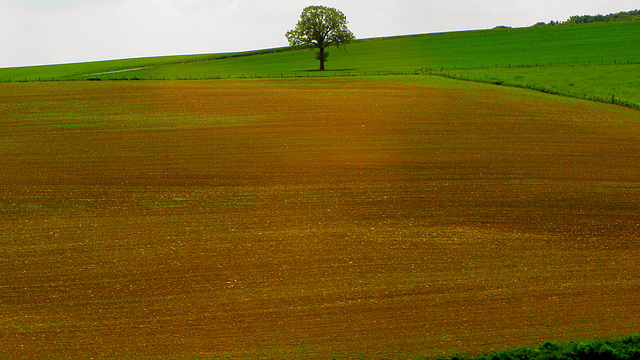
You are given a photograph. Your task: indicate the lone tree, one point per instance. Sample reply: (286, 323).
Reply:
(320, 26)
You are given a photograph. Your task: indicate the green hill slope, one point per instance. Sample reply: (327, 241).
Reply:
(540, 47)
(615, 83)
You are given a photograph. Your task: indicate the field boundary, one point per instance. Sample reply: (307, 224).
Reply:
(440, 72)
(131, 74)
(590, 97)
(429, 70)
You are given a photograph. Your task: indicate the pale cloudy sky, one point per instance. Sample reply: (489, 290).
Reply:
(36, 32)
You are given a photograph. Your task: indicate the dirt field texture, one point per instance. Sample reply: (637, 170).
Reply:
(347, 218)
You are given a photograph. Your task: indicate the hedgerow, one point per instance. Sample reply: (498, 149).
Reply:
(626, 348)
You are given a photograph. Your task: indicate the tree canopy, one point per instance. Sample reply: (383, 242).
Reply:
(321, 27)
(633, 15)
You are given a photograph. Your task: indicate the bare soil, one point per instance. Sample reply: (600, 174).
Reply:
(312, 219)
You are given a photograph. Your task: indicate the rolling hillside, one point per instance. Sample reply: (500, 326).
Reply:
(326, 215)
(596, 61)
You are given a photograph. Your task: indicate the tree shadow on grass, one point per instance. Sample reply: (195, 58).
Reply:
(327, 70)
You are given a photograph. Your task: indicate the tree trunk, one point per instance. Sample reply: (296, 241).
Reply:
(321, 56)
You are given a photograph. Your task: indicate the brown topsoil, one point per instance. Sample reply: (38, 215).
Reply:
(312, 219)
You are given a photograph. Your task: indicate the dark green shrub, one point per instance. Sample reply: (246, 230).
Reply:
(606, 352)
(627, 348)
(549, 346)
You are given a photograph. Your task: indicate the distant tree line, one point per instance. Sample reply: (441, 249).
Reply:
(633, 15)
(626, 348)
(621, 16)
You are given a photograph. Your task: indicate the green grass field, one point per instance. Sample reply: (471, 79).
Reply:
(615, 83)
(594, 61)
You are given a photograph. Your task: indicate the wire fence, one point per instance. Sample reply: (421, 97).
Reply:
(426, 70)
(447, 72)
(591, 97)
(130, 74)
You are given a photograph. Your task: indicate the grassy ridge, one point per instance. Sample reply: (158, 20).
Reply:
(588, 61)
(617, 84)
(580, 44)
(79, 70)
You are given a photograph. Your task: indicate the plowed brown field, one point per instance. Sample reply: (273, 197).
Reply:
(312, 218)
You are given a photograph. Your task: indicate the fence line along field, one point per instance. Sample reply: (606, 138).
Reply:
(343, 218)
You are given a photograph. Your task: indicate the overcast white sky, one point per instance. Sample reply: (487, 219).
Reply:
(36, 32)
